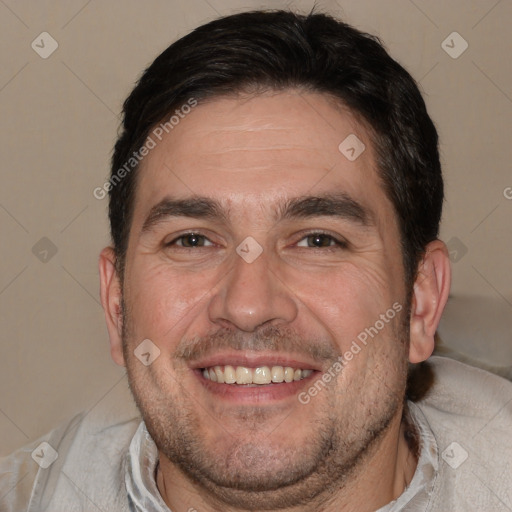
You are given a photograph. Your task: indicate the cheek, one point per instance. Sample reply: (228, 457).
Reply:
(163, 302)
(346, 300)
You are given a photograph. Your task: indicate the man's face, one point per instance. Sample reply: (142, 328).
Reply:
(329, 268)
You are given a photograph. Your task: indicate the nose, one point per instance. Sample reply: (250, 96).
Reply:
(252, 295)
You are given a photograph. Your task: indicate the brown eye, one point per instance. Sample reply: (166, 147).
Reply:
(320, 240)
(190, 240)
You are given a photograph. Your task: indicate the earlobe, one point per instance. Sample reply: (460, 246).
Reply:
(431, 290)
(111, 295)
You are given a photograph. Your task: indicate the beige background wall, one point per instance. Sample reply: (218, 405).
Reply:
(58, 124)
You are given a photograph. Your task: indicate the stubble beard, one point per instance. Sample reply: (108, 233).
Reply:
(255, 475)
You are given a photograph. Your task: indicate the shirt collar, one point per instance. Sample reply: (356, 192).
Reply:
(416, 495)
(140, 468)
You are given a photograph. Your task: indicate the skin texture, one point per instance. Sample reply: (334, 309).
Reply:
(345, 449)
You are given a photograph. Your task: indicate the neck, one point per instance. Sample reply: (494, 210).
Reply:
(381, 478)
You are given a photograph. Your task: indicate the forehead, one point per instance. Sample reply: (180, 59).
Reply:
(253, 151)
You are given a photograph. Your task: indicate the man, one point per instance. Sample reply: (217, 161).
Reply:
(273, 288)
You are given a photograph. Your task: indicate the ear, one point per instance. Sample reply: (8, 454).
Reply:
(111, 295)
(431, 290)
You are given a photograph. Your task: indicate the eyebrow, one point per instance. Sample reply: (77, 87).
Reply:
(338, 205)
(194, 207)
(327, 205)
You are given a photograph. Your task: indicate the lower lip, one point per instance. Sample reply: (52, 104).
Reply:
(255, 393)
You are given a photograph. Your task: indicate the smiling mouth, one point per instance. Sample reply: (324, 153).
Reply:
(258, 376)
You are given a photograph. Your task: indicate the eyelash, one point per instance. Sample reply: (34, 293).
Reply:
(338, 244)
(184, 235)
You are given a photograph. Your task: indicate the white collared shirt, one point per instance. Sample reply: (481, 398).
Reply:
(107, 459)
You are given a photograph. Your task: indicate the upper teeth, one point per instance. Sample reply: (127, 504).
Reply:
(261, 375)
